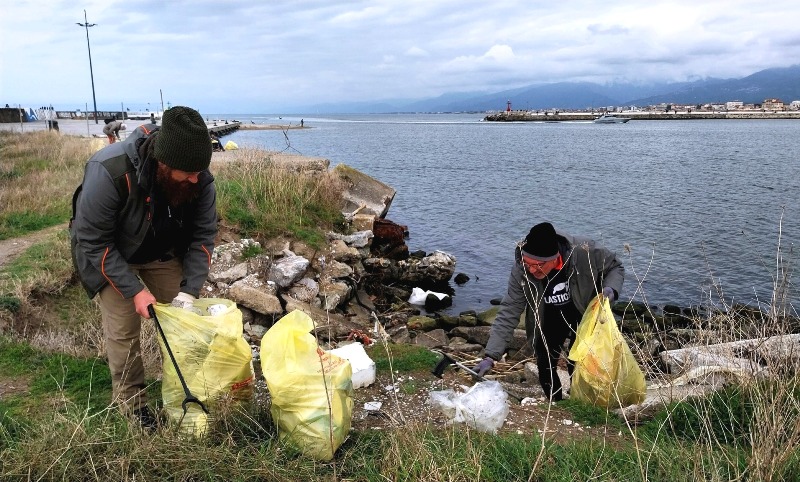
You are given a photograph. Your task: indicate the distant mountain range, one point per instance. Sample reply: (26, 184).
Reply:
(782, 83)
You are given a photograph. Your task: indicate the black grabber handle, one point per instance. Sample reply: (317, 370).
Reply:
(189, 397)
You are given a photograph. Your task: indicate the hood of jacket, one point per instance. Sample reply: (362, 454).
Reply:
(137, 146)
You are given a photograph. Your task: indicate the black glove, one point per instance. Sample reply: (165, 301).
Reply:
(484, 366)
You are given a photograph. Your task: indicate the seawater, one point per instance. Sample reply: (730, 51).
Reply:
(696, 210)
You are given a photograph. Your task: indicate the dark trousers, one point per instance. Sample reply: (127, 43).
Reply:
(548, 346)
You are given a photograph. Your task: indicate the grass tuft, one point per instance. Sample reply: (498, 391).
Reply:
(9, 303)
(261, 199)
(251, 251)
(39, 171)
(404, 358)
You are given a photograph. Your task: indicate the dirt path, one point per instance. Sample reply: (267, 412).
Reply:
(10, 249)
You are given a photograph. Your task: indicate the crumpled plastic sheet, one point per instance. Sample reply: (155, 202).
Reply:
(483, 407)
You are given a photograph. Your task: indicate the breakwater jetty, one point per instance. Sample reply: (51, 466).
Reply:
(558, 116)
(223, 129)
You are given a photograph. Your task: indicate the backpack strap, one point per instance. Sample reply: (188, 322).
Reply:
(121, 171)
(75, 203)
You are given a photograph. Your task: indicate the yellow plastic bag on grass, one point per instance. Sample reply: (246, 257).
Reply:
(311, 390)
(212, 355)
(606, 374)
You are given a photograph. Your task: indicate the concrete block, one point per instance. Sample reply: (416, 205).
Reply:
(363, 221)
(363, 190)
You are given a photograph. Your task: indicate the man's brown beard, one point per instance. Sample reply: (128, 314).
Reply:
(177, 192)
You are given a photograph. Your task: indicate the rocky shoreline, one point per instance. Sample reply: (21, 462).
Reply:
(359, 286)
(354, 292)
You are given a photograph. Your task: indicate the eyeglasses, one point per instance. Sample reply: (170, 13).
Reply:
(533, 264)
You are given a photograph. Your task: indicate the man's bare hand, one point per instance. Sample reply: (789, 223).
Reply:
(142, 300)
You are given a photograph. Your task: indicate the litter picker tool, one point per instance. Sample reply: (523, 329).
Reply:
(446, 361)
(189, 397)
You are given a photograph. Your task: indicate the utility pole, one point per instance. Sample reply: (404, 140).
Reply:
(86, 25)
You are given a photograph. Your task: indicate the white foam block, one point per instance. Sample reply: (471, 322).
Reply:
(363, 366)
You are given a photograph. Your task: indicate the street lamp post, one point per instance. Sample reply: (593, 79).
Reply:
(86, 25)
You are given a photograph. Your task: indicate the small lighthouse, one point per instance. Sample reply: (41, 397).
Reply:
(508, 106)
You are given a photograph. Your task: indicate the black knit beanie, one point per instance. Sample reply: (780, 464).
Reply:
(541, 243)
(183, 142)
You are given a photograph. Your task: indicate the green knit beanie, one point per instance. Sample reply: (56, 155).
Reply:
(183, 142)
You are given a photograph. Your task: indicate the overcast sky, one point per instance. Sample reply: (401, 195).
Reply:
(273, 56)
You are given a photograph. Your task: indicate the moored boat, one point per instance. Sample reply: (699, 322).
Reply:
(611, 119)
(139, 115)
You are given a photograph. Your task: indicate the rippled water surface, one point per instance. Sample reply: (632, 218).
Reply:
(691, 207)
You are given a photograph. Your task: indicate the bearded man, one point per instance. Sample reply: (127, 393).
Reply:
(143, 228)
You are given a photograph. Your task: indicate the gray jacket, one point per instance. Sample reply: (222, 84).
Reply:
(590, 268)
(112, 127)
(112, 213)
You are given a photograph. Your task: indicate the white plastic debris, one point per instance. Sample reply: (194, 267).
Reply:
(373, 406)
(217, 309)
(418, 296)
(362, 364)
(483, 407)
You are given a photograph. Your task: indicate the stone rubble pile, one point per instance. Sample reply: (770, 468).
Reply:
(344, 286)
(353, 291)
(348, 286)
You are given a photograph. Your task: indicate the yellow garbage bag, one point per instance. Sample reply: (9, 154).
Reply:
(606, 374)
(214, 359)
(311, 390)
(231, 146)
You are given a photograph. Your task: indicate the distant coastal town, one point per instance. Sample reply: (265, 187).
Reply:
(771, 108)
(768, 109)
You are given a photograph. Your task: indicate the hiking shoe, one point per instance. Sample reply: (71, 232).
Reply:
(146, 418)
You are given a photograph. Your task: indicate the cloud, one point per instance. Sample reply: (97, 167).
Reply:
(275, 55)
(359, 16)
(603, 30)
(416, 52)
(496, 56)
